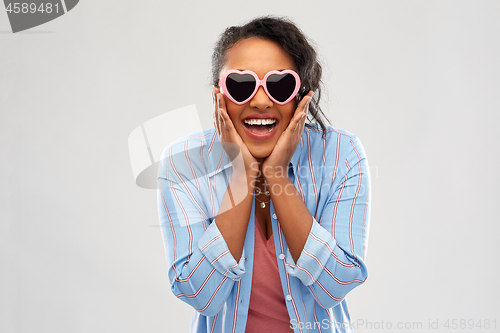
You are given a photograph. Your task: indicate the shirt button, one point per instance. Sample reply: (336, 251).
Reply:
(275, 217)
(288, 297)
(281, 256)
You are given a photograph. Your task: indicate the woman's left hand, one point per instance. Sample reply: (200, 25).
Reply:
(276, 164)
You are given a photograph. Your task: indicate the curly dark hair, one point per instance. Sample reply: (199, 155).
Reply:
(286, 34)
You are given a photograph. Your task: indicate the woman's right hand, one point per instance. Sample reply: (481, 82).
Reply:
(230, 139)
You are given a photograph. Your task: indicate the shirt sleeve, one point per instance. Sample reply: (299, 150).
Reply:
(201, 271)
(332, 261)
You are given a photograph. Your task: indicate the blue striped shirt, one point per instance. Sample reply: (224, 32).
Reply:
(332, 176)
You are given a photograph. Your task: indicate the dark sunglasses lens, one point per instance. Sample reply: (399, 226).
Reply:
(281, 86)
(240, 86)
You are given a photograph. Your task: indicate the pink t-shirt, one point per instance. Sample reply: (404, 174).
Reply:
(267, 311)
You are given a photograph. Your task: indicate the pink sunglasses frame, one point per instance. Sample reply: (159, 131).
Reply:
(259, 82)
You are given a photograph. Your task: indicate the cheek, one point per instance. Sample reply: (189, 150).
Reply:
(288, 111)
(233, 110)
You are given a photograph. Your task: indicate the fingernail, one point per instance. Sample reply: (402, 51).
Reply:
(306, 108)
(213, 96)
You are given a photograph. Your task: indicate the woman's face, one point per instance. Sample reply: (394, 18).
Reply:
(259, 56)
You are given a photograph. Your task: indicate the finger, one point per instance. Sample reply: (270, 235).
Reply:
(221, 124)
(300, 113)
(299, 126)
(304, 118)
(302, 123)
(222, 101)
(223, 121)
(302, 107)
(228, 124)
(219, 129)
(218, 97)
(215, 90)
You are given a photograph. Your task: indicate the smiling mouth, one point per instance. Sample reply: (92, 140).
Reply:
(260, 126)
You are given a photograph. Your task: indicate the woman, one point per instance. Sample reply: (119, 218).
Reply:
(267, 231)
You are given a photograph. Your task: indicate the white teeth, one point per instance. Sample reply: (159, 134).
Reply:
(260, 121)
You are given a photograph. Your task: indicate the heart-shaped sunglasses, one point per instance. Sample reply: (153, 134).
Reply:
(241, 86)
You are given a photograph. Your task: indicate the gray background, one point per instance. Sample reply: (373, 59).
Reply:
(417, 81)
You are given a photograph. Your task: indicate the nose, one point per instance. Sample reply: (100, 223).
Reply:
(261, 100)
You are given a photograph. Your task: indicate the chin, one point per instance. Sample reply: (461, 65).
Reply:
(260, 152)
